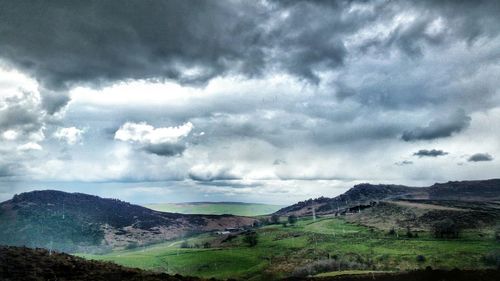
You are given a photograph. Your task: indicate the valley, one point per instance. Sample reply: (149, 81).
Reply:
(312, 247)
(370, 229)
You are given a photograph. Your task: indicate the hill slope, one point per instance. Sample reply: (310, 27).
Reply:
(216, 208)
(364, 194)
(75, 221)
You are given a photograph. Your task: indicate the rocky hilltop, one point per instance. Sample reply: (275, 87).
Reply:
(365, 194)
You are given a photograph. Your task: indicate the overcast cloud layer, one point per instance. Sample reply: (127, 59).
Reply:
(269, 101)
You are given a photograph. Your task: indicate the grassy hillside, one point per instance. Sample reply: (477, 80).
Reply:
(312, 247)
(216, 208)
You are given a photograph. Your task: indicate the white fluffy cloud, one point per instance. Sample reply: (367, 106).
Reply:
(147, 134)
(163, 141)
(70, 135)
(29, 146)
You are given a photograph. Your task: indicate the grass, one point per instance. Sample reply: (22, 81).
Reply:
(281, 250)
(347, 272)
(216, 208)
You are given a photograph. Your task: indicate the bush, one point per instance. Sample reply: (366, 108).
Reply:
(492, 258)
(132, 245)
(185, 244)
(320, 266)
(292, 219)
(409, 234)
(251, 239)
(420, 258)
(392, 232)
(275, 219)
(446, 228)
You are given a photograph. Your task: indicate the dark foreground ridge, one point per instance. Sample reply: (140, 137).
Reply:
(20, 263)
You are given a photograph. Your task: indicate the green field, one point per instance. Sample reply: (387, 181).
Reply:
(216, 208)
(282, 250)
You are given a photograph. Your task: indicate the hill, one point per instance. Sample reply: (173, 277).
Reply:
(216, 208)
(362, 195)
(81, 222)
(39, 264)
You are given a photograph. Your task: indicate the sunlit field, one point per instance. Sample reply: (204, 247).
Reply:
(295, 249)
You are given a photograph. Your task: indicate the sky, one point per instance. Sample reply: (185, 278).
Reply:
(254, 101)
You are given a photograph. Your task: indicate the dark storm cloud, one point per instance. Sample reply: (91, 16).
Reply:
(469, 19)
(63, 43)
(165, 149)
(53, 102)
(430, 153)
(439, 128)
(6, 171)
(20, 113)
(233, 183)
(209, 176)
(478, 157)
(67, 42)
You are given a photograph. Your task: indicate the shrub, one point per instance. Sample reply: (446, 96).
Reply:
(251, 239)
(292, 219)
(409, 234)
(320, 266)
(420, 258)
(497, 233)
(185, 244)
(275, 219)
(492, 258)
(132, 245)
(446, 228)
(392, 232)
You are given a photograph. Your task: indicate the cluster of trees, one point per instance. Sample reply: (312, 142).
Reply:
(276, 219)
(251, 238)
(445, 228)
(185, 245)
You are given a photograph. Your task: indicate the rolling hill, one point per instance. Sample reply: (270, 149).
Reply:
(216, 208)
(362, 195)
(81, 222)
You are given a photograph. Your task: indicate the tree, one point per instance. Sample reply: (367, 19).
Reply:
(292, 219)
(275, 219)
(409, 234)
(497, 233)
(185, 244)
(446, 228)
(251, 239)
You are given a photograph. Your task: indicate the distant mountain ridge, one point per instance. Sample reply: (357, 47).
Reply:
(217, 208)
(70, 221)
(480, 190)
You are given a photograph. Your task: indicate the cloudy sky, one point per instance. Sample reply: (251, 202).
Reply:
(256, 101)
